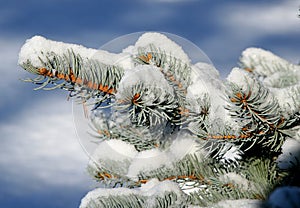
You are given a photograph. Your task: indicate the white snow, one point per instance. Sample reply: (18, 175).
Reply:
(147, 74)
(230, 152)
(156, 188)
(264, 62)
(287, 99)
(287, 96)
(290, 154)
(114, 155)
(146, 161)
(240, 203)
(209, 70)
(205, 78)
(152, 188)
(241, 78)
(199, 84)
(160, 41)
(153, 159)
(103, 192)
(236, 178)
(115, 149)
(34, 47)
(182, 146)
(277, 76)
(206, 81)
(121, 157)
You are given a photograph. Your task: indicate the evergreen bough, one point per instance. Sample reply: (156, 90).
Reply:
(235, 154)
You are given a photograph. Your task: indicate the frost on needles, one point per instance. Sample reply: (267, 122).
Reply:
(169, 131)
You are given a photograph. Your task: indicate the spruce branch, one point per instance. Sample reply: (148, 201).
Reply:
(148, 105)
(108, 178)
(168, 199)
(263, 63)
(149, 114)
(283, 79)
(139, 137)
(265, 176)
(175, 71)
(190, 168)
(71, 72)
(194, 116)
(295, 94)
(258, 114)
(117, 201)
(262, 176)
(203, 177)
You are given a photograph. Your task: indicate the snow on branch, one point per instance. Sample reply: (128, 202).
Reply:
(169, 132)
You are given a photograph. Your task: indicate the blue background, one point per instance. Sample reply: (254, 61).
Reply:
(41, 161)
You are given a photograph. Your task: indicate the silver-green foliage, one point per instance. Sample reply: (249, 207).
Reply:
(263, 125)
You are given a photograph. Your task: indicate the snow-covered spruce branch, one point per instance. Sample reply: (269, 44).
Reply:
(183, 169)
(157, 115)
(154, 194)
(278, 75)
(254, 179)
(93, 78)
(90, 77)
(257, 112)
(264, 64)
(148, 105)
(139, 137)
(206, 182)
(175, 70)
